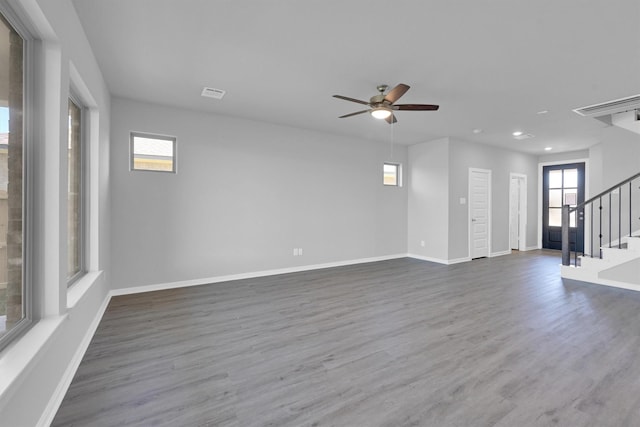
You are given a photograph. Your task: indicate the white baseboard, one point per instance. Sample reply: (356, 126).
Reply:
(439, 260)
(251, 275)
(532, 248)
(501, 253)
(458, 260)
(63, 386)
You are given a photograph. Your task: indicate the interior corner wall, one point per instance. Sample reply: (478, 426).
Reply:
(246, 194)
(464, 155)
(428, 203)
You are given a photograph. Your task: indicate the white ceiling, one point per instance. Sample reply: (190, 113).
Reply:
(489, 64)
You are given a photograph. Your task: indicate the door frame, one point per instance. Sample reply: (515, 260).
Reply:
(489, 217)
(541, 166)
(522, 229)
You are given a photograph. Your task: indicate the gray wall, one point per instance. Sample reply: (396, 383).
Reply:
(439, 178)
(247, 193)
(620, 155)
(428, 199)
(465, 155)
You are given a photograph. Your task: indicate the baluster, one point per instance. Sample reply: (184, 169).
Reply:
(630, 213)
(609, 220)
(591, 230)
(620, 218)
(600, 234)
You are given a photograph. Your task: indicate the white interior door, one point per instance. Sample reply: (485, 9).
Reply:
(480, 212)
(518, 211)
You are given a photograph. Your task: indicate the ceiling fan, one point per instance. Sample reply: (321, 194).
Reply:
(382, 106)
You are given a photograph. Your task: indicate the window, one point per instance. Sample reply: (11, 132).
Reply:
(13, 304)
(153, 153)
(391, 174)
(75, 217)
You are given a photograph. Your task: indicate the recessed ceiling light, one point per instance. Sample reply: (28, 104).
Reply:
(542, 112)
(548, 148)
(477, 131)
(517, 133)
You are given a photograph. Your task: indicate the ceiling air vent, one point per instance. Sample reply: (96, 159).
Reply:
(610, 107)
(210, 92)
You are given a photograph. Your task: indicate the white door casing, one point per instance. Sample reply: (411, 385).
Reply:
(518, 211)
(479, 213)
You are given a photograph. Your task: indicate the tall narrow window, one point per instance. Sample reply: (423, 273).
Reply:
(13, 307)
(74, 194)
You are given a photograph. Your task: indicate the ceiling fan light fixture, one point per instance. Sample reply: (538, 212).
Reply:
(381, 113)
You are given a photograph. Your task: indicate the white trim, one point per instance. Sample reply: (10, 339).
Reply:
(541, 165)
(501, 253)
(24, 354)
(531, 248)
(63, 386)
(469, 204)
(250, 275)
(439, 260)
(522, 230)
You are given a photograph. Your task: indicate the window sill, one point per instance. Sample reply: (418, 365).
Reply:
(81, 286)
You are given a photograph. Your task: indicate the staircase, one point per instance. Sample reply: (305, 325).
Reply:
(619, 267)
(609, 227)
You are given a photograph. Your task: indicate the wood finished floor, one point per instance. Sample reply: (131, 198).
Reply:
(494, 342)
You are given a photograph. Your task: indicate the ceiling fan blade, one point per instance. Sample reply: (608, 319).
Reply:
(415, 107)
(353, 114)
(391, 119)
(395, 93)
(346, 98)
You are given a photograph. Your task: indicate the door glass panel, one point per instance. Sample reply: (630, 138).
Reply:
(571, 197)
(555, 198)
(570, 178)
(555, 179)
(555, 217)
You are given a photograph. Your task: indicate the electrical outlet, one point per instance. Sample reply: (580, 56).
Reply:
(422, 243)
(295, 251)
(300, 251)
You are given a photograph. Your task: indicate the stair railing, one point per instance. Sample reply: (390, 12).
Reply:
(606, 219)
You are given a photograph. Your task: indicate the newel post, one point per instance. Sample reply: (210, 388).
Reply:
(566, 253)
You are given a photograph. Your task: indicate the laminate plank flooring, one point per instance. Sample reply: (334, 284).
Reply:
(493, 342)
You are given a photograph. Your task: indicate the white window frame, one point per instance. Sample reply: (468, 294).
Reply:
(398, 167)
(82, 237)
(28, 124)
(173, 140)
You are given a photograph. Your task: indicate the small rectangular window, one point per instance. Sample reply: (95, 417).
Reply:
(391, 174)
(153, 153)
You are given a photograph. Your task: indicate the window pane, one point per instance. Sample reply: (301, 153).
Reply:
(12, 307)
(571, 197)
(555, 217)
(153, 153)
(555, 198)
(555, 179)
(571, 177)
(390, 174)
(74, 202)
